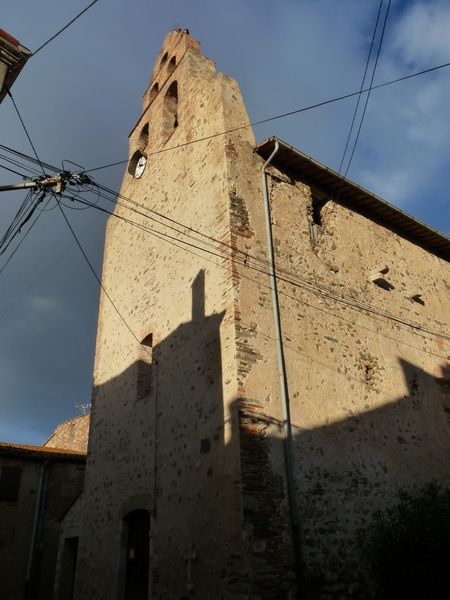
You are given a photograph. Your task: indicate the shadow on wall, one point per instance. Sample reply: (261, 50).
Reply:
(196, 485)
(349, 469)
(344, 472)
(157, 445)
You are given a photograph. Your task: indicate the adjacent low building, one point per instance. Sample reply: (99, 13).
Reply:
(38, 485)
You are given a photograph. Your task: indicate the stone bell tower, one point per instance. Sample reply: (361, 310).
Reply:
(168, 509)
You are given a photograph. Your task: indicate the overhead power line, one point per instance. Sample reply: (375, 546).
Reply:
(16, 226)
(188, 247)
(369, 307)
(280, 116)
(253, 124)
(12, 161)
(93, 271)
(219, 245)
(355, 112)
(13, 171)
(64, 28)
(370, 90)
(29, 158)
(34, 283)
(286, 277)
(24, 235)
(26, 131)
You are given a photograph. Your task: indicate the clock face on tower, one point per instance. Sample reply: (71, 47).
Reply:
(140, 167)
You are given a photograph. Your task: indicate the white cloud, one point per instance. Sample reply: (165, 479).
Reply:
(422, 34)
(406, 134)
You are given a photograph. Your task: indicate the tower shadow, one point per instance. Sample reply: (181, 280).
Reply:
(186, 487)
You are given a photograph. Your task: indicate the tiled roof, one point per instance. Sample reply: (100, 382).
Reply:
(40, 452)
(294, 162)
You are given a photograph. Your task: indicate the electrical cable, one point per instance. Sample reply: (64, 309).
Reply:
(97, 277)
(355, 112)
(265, 120)
(280, 116)
(20, 243)
(370, 89)
(18, 227)
(13, 171)
(225, 266)
(26, 131)
(330, 294)
(64, 28)
(247, 258)
(30, 158)
(13, 226)
(36, 281)
(33, 172)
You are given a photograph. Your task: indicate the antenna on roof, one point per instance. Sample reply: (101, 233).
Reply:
(83, 407)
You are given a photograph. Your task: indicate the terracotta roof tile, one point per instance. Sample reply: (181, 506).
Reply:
(39, 451)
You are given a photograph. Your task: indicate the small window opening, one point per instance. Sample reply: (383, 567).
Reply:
(417, 298)
(378, 278)
(318, 201)
(144, 368)
(317, 204)
(170, 111)
(163, 60)
(171, 65)
(143, 138)
(10, 483)
(153, 92)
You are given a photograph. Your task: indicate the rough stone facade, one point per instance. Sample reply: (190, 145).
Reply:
(187, 428)
(72, 434)
(369, 404)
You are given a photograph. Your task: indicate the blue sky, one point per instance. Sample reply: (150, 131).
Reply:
(81, 96)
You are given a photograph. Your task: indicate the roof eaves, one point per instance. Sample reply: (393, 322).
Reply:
(39, 452)
(356, 196)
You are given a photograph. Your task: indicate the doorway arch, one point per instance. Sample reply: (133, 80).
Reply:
(137, 554)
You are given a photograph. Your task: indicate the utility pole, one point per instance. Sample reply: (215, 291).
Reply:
(57, 182)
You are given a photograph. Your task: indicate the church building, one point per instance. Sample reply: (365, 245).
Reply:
(272, 362)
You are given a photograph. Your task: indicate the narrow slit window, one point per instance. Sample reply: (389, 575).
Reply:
(143, 137)
(170, 111)
(163, 60)
(153, 92)
(318, 201)
(144, 368)
(171, 65)
(317, 204)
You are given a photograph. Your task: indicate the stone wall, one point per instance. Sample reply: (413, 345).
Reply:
(175, 452)
(72, 434)
(364, 366)
(204, 451)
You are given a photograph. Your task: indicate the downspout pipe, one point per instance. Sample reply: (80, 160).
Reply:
(37, 522)
(284, 392)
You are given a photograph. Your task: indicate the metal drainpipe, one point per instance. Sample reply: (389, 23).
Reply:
(40, 501)
(293, 510)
